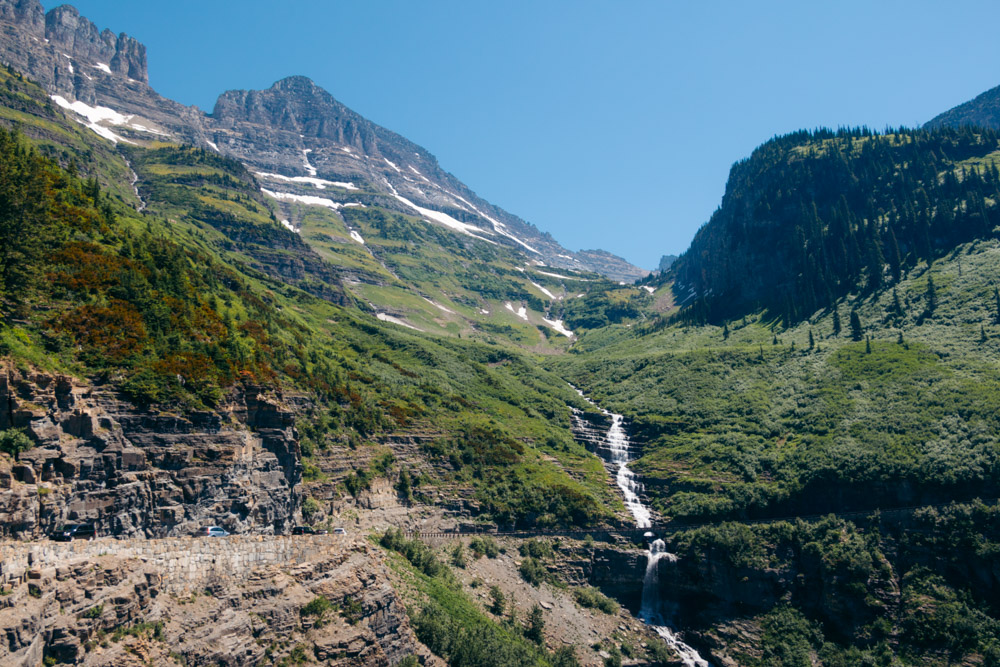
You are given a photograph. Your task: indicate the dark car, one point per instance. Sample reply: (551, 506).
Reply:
(75, 531)
(308, 530)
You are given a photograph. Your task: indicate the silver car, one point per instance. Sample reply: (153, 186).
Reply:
(215, 531)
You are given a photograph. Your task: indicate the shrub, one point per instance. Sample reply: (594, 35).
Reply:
(14, 441)
(484, 546)
(94, 612)
(533, 572)
(318, 607)
(310, 506)
(419, 554)
(592, 598)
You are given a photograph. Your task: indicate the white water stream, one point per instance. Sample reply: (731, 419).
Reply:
(651, 612)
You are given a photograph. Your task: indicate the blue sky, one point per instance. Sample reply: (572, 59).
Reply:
(609, 124)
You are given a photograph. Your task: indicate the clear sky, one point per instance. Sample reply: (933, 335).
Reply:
(609, 124)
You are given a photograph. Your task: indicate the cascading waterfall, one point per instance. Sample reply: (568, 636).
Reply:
(619, 445)
(651, 611)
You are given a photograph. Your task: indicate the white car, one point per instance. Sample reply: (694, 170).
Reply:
(339, 531)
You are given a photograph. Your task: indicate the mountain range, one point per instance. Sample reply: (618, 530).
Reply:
(280, 319)
(295, 136)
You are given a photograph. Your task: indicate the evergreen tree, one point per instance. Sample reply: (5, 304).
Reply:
(856, 331)
(931, 297)
(25, 228)
(996, 298)
(812, 342)
(868, 345)
(536, 625)
(498, 603)
(836, 322)
(982, 334)
(725, 331)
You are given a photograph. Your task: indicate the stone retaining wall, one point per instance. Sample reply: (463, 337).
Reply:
(186, 563)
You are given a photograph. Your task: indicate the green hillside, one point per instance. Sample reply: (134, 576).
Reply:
(205, 290)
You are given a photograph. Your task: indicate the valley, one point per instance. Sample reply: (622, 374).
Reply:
(779, 449)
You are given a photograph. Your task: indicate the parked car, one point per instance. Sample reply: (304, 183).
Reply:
(75, 531)
(307, 530)
(339, 531)
(215, 531)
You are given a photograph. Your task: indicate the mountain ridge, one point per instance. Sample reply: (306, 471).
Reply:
(108, 72)
(982, 110)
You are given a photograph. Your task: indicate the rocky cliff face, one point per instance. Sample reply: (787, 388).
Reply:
(133, 472)
(64, 51)
(237, 601)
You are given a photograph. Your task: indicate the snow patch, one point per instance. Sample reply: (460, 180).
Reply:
(305, 158)
(345, 149)
(648, 289)
(395, 320)
(426, 180)
(96, 115)
(556, 275)
(357, 237)
(558, 326)
(498, 226)
(103, 67)
(318, 183)
(303, 199)
(521, 312)
(93, 114)
(393, 165)
(483, 311)
(543, 290)
(212, 144)
(288, 224)
(439, 306)
(443, 218)
(149, 130)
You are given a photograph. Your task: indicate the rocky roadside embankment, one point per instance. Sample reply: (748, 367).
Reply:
(221, 601)
(100, 459)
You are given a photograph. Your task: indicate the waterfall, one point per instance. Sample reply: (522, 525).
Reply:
(619, 444)
(651, 612)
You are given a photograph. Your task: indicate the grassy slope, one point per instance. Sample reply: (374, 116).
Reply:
(369, 378)
(745, 426)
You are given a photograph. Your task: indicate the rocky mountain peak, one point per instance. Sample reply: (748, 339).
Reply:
(48, 44)
(296, 104)
(26, 13)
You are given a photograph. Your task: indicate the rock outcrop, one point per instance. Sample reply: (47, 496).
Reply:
(135, 472)
(234, 601)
